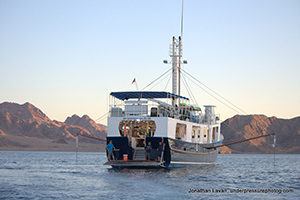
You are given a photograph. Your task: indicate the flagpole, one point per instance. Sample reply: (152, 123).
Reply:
(134, 81)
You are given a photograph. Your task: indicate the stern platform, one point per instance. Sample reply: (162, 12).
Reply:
(134, 164)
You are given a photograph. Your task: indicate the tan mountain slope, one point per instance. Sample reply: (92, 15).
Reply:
(87, 123)
(19, 123)
(248, 126)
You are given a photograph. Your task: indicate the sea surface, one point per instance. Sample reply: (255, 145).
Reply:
(59, 175)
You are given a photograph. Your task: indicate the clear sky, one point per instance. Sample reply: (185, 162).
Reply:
(66, 56)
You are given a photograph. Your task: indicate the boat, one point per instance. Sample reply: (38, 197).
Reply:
(187, 135)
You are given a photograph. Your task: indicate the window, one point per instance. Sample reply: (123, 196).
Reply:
(180, 131)
(193, 134)
(137, 128)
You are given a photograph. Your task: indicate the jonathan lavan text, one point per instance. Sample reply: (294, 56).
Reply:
(278, 191)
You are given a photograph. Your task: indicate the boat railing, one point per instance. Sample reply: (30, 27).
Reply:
(140, 110)
(156, 108)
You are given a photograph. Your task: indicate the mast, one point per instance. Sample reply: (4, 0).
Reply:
(174, 67)
(176, 54)
(179, 65)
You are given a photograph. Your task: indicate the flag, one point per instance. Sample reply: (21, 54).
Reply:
(133, 81)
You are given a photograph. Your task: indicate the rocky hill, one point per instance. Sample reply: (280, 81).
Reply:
(87, 123)
(247, 126)
(26, 127)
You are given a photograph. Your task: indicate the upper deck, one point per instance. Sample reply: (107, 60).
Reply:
(157, 104)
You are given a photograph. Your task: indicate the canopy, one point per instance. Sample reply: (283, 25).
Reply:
(144, 95)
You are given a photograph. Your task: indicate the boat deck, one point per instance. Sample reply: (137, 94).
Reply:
(134, 164)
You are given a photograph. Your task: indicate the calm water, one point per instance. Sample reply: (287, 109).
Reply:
(56, 175)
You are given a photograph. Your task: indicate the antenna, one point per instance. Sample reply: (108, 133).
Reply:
(181, 31)
(176, 54)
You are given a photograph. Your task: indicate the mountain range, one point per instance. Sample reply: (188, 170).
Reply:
(242, 127)
(25, 127)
